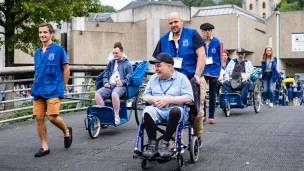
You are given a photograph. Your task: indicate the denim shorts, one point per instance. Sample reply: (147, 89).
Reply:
(161, 115)
(106, 93)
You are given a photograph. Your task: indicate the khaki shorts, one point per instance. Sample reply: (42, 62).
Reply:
(42, 107)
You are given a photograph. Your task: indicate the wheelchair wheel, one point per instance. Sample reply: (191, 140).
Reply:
(144, 164)
(227, 109)
(257, 99)
(136, 113)
(194, 149)
(180, 161)
(94, 132)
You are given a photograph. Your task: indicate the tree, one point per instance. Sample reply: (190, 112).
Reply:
(238, 3)
(20, 18)
(290, 5)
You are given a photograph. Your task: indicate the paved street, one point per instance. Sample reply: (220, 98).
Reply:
(272, 140)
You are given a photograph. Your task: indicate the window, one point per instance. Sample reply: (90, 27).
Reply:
(264, 5)
(250, 6)
(264, 15)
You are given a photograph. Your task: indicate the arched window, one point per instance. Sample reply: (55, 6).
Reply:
(264, 15)
(250, 6)
(264, 5)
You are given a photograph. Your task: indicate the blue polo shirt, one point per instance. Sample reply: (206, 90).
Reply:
(49, 81)
(177, 85)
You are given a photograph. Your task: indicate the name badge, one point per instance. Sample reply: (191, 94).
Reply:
(243, 75)
(178, 62)
(209, 61)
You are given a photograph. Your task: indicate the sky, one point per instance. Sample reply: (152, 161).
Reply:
(117, 4)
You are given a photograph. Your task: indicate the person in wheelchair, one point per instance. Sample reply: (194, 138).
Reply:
(239, 71)
(167, 91)
(117, 74)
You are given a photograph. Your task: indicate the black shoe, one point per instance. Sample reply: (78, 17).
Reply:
(68, 140)
(104, 126)
(150, 150)
(163, 149)
(41, 152)
(199, 142)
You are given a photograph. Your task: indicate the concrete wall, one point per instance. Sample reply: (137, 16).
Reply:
(295, 20)
(95, 43)
(290, 22)
(226, 30)
(152, 11)
(253, 38)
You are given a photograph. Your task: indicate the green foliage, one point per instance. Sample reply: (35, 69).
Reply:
(234, 2)
(290, 5)
(20, 19)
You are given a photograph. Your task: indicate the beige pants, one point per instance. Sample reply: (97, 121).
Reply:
(198, 122)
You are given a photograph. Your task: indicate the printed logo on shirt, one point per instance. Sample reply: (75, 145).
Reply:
(213, 50)
(185, 42)
(51, 57)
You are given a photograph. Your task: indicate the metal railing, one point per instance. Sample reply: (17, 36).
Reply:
(19, 100)
(87, 90)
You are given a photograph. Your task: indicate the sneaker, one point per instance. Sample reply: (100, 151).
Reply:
(68, 140)
(150, 150)
(267, 102)
(163, 149)
(41, 152)
(211, 121)
(271, 105)
(204, 119)
(117, 120)
(199, 142)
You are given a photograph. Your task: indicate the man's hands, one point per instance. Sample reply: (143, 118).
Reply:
(198, 79)
(161, 102)
(107, 85)
(118, 84)
(244, 79)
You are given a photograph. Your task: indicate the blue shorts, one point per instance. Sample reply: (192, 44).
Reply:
(106, 93)
(161, 115)
(295, 94)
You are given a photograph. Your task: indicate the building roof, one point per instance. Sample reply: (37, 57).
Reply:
(100, 17)
(227, 9)
(136, 4)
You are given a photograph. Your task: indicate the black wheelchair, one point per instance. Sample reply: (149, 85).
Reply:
(178, 149)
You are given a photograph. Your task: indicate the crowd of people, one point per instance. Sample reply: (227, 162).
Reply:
(183, 60)
(26, 90)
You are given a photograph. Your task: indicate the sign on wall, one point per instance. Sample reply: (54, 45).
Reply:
(297, 42)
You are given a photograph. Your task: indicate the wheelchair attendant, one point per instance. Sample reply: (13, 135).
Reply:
(117, 74)
(239, 71)
(167, 91)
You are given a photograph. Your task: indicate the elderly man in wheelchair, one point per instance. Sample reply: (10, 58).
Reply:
(239, 71)
(167, 91)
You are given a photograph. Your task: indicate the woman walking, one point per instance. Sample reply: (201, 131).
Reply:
(269, 74)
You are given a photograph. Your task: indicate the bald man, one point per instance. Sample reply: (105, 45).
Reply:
(187, 48)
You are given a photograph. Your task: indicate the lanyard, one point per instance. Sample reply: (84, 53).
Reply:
(162, 89)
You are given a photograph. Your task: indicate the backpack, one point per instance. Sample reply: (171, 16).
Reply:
(236, 75)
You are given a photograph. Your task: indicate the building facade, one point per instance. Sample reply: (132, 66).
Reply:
(262, 8)
(139, 27)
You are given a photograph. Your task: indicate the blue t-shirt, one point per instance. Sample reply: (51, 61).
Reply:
(49, 81)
